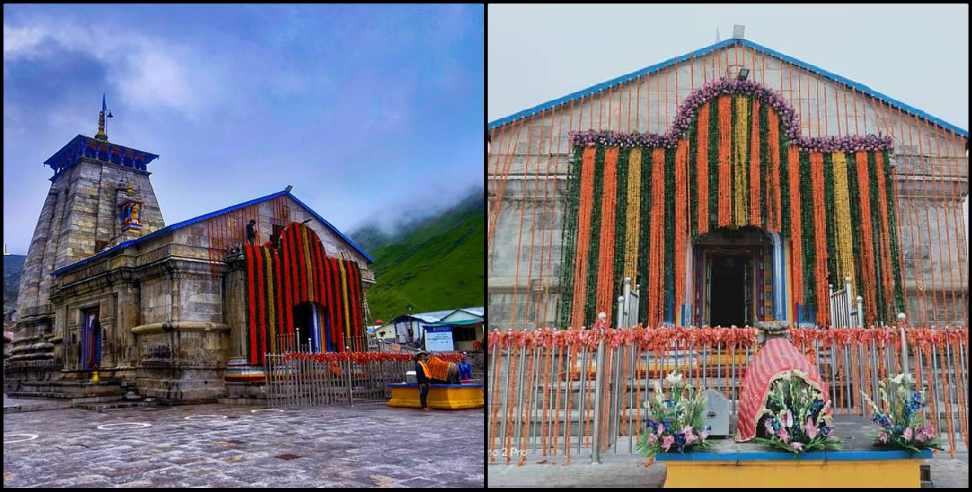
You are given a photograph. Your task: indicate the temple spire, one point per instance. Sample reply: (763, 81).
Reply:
(102, 134)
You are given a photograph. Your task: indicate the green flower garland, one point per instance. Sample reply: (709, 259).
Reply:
(893, 230)
(764, 165)
(621, 223)
(806, 219)
(645, 219)
(592, 258)
(784, 183)
(714, 164)
(876, 239)
(693, 191)
(568, 237)
(836, 277)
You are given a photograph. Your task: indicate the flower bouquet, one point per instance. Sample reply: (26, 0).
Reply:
(903, 425)
(796, 417)
(674, 423)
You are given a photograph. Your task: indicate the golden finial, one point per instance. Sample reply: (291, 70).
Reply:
(102, 135)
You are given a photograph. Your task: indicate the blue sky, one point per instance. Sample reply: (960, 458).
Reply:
(371, 112)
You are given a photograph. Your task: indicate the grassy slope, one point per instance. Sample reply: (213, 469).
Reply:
(13, 265)
(435, 265)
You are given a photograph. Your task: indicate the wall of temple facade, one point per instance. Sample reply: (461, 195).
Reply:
(529, 160)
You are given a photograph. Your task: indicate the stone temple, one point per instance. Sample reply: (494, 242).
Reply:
(733, 185)
(180, 312)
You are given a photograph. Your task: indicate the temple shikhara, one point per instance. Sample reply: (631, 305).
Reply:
(179, 312)
(733, 186)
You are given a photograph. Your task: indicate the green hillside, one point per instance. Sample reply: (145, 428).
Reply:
(13, 265)
(435, 264)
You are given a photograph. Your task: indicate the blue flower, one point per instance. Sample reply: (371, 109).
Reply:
(824, 430)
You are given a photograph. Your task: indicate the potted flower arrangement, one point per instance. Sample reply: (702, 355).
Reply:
(796, 417)
(675, 423)
(903, 425)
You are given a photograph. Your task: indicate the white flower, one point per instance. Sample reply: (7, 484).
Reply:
(673, 378)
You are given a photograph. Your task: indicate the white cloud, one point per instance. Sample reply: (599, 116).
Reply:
(147, 73)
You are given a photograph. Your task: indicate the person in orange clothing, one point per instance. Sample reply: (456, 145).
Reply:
(424, 377)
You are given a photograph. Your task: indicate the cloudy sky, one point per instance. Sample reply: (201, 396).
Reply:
(917, 54)
(371, 112)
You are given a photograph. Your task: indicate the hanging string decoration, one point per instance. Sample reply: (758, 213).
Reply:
(734, 157)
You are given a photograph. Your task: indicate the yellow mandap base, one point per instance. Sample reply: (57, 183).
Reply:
(898, 473)
(441, 396)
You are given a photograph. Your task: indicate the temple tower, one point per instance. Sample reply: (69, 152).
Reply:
(100, 196)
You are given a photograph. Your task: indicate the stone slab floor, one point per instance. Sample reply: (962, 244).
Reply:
(368, 445)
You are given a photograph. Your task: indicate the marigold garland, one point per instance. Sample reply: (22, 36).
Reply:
(656, 268)
(605, 268)
(845, 249)
(702, 171)
(681, 154)
(725, 169)
(583, 236)
(633, 215)
(867, 241)
(796, 240)
(818, 206)
(820, 239)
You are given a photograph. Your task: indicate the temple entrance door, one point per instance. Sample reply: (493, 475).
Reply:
(729, 291)
(90, 340)
(735, 276)
(313, 327)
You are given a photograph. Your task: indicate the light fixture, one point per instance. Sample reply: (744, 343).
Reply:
(743, 73)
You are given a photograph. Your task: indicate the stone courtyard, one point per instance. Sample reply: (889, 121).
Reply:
(214, 445)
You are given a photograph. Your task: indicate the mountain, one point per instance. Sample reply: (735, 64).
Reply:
(436, 263)
(13, 266)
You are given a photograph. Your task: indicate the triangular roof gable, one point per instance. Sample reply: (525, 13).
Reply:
(204, 217)
(598, 88)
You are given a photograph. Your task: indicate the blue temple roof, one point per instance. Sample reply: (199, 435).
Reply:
(526, 113)
(82, 146)
(179, 225)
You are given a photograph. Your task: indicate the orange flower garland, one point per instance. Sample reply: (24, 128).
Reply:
(867, 242)
(656, 242)
(681, 220)
(775, 207)
(702, 168)
(605, 262)
(725, 144)
(796, 238)
(754, 177)
(583, 235)
(887, 270)
(820, 237)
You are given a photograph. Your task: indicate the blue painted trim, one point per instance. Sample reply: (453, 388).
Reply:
(742, 456)
(196, 220)
(597, 88)
(347, 239)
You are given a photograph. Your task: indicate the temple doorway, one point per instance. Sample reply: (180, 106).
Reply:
(733, 270)
(313, 327)
(90, 340)
(729, 292)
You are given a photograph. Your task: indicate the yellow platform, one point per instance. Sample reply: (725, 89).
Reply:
(838, 469)
(441, 396)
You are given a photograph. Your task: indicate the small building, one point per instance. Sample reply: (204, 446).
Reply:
(410, 328)
(467, 329)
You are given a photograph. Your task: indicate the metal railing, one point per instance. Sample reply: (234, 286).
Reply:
(844, 312)
(303, 378)
(558, 392)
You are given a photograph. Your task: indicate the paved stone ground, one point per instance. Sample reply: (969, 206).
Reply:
(231, 446)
